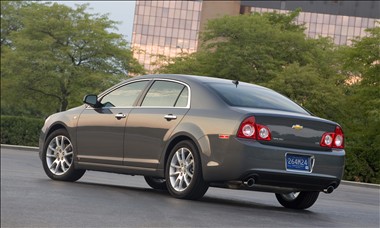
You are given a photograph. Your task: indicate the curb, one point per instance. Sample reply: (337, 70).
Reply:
(360, 184)
(343, 182)
(25, 148)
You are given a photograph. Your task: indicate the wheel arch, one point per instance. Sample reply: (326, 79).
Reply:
(182, 136)
(55, 127)
(201, 145)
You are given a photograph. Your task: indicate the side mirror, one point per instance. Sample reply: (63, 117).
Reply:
(91, 100)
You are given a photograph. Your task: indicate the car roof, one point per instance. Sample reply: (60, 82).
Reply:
(192, 78)
(183, 77)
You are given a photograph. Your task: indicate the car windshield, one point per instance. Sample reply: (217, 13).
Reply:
(251, 96)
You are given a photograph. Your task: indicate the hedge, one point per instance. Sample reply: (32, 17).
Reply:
(16, 130)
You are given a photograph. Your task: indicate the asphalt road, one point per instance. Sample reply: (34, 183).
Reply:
(30, 199)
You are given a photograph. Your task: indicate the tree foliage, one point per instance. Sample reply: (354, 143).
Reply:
(57, 54)
(10, 20)
(271, 50)
(363, 108)
(238, 47)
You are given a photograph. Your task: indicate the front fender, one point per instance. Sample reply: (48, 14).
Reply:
(67, 120)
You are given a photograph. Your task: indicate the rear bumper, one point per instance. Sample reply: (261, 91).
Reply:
(297, 182)
(240, 159)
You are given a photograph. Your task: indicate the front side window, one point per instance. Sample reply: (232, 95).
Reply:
(124, 96)
(166, 94)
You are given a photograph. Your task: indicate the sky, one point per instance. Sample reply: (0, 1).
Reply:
(122, 11)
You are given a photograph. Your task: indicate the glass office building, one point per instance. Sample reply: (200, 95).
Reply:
(340, 20)
(165, 28)
(169, 28)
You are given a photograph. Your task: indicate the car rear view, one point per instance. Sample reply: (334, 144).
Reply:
(280, 147)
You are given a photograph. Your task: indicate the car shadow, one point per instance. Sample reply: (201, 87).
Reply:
(207, 199)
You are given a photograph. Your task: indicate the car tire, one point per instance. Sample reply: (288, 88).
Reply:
(58, 157)
(183, 172)
(156, 183)
(297, 200)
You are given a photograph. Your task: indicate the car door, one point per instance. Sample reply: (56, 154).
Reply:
(150, 125)
(100, 131)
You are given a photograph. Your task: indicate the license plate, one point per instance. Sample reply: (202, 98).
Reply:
(299, 163)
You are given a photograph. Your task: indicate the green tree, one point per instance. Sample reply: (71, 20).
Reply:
(58, 55)
(362, 121)
(10, 20)
(304, 85)
(196, 63)
(271, 50)
(247, 47)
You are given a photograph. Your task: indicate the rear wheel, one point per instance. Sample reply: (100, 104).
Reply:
(184, 172)
(58, 157)
(297, 200)
(156, 183)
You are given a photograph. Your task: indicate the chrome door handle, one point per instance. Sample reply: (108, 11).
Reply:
(169, 117)
(120, 116)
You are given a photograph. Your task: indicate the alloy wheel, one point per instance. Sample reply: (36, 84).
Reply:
(59, 155)
(181, 170)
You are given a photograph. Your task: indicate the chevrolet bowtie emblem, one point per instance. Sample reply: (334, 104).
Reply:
(297, 127)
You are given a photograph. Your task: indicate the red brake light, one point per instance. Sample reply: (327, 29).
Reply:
(263, 133)
(327, 139)
(247, 129)
(250, 130)
(333, 139)
(339, 138)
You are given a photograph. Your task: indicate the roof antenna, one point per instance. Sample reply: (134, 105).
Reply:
(236, 82)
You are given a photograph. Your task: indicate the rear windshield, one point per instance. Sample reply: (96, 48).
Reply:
(251, 96)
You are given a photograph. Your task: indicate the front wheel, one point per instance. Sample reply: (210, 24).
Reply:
(183, 172)
(297, 200)
(58, 157)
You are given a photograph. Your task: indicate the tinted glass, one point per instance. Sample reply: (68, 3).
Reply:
(183, 98)
(245, 95)
(163, 94)
(124, 96)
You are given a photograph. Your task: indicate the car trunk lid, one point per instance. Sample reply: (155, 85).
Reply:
(293, 130)
(296, 132)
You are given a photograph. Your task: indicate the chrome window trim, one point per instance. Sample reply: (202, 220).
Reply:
(169, 80)
(103, 94)
(145, 107)
(110, 90)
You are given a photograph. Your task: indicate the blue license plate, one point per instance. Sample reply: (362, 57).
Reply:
(296, 162)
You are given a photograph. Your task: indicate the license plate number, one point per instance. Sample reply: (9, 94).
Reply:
(299, 163)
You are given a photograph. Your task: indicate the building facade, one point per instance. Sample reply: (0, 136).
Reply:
(340, 20)
(170, 28)
(165, 28)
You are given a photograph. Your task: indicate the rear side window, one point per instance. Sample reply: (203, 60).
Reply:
(251, 96)
(166, 94)
(183, 98)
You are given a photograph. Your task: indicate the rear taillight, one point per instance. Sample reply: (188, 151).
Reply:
(263, 132)
(250, 130)
(333, 139)
(247, 129)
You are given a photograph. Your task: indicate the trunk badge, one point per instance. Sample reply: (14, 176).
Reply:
(297, 127)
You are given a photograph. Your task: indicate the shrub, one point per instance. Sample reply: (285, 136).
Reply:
(16, 130)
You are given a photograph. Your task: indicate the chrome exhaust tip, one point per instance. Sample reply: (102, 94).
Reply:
(329, 189)
(250, 182)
